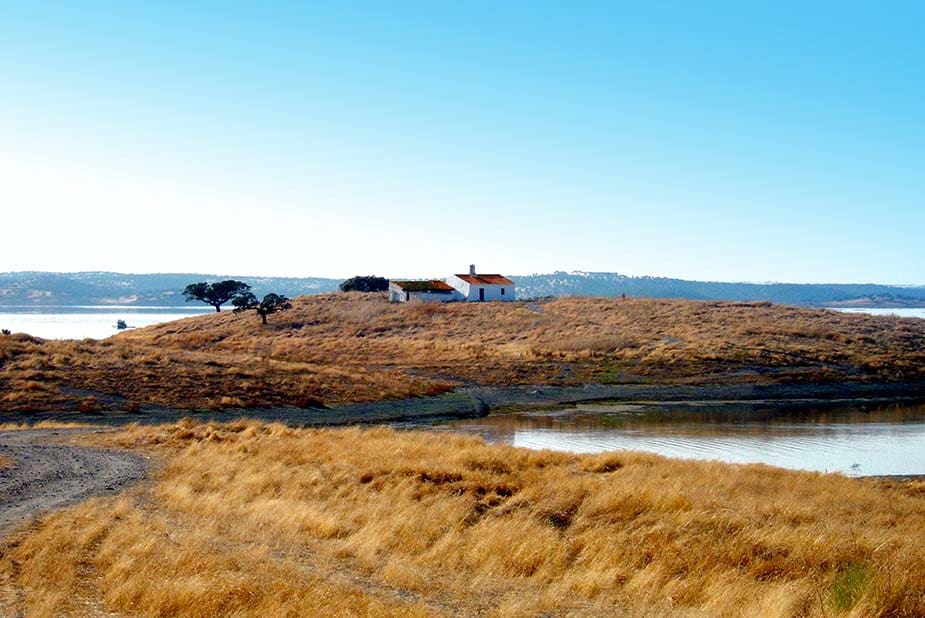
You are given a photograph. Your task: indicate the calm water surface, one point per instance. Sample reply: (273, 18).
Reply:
(96, 322)
(852, 439)
(901, 312)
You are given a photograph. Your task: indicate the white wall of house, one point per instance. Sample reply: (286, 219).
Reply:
(430, 297)
(470, 292)
(461, 287)
(492, 292)
(396, 294)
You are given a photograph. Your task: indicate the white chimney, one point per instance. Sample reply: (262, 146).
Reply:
(471, 270)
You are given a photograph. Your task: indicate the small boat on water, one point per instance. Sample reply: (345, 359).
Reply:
(121, 325)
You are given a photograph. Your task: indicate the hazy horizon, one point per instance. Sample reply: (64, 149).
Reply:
(716, 142)
(441, 275)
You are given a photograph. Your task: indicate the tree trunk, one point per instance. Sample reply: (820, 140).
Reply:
(218, 308)
(264, 317)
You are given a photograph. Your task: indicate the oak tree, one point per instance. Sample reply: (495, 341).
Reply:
(215, 294)
(271, 303)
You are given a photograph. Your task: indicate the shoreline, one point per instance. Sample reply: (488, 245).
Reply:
(477, 402)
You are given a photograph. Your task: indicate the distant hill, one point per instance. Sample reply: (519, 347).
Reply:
(809, 294)
(106, 288)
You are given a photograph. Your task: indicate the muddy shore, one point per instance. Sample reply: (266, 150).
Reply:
(474, 402)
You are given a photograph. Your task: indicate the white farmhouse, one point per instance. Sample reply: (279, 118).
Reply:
(471, 288)
(476, 288)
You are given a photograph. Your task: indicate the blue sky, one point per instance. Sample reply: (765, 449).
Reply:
(774, 142)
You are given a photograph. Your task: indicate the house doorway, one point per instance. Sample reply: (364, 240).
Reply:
(481, 294)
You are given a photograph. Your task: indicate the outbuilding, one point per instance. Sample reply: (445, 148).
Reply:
(432, 290)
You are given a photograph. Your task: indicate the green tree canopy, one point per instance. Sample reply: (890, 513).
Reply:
(215, 294)
(359, 283)
(271, 303)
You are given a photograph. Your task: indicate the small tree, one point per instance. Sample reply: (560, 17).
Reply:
(371, 283)
(271, 303)
(215, 294)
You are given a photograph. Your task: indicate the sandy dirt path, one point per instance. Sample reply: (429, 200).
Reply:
(47, 474)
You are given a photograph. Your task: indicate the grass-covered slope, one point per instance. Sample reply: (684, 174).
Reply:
(354, 347)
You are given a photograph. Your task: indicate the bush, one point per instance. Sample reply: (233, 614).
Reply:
(371, 283)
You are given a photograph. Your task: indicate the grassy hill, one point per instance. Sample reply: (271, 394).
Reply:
(353, 347)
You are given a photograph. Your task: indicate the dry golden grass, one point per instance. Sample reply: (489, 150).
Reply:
(256, 519)
(6, 462)
(355, 347)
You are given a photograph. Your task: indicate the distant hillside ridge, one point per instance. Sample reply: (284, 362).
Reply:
(159, 290)
(579, 283)
(165, 289)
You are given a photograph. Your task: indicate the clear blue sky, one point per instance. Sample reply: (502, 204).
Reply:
(779, 142)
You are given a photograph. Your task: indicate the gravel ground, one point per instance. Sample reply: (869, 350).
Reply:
(47, 474)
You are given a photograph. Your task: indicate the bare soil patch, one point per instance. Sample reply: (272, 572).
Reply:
(46, 474)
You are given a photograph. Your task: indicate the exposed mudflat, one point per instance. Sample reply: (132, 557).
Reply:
(47, 474)
(478, 401)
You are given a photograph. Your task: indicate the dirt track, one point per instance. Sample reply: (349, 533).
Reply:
(47, 474)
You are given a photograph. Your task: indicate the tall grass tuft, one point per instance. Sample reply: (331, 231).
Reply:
(849, 587)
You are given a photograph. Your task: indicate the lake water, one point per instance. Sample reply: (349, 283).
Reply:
(95, 322)
(903, 312)
(852, 439)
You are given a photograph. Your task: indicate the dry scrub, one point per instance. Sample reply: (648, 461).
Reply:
(254, 519)
(6, 462)
(356, 347)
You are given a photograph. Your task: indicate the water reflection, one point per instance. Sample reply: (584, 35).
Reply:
(902, 312)
(849, 438)
(96, 322)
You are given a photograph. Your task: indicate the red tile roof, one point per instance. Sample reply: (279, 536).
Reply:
(486, 279)
(424, 286)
